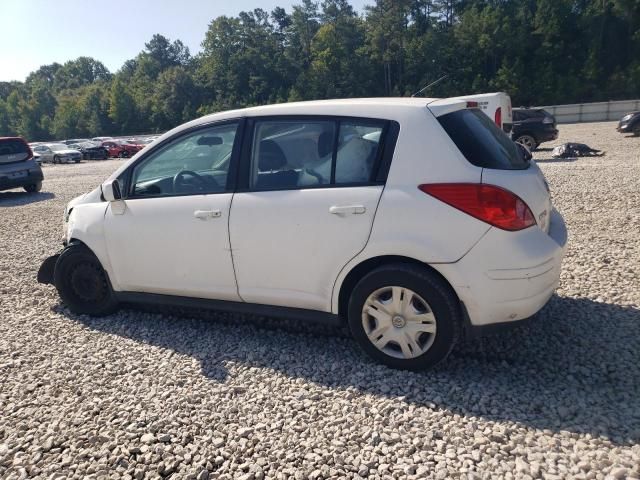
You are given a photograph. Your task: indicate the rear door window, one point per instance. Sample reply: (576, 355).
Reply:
(305, 153)
(481, 142)
(13, 150)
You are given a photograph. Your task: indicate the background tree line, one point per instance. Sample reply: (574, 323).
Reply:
(539, 51)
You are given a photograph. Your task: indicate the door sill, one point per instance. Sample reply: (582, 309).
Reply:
(275, 311)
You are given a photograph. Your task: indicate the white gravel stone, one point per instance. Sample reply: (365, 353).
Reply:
(199, 395)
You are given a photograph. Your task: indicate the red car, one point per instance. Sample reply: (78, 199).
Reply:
(121, 148)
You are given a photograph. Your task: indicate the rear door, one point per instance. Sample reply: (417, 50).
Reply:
(311, 187)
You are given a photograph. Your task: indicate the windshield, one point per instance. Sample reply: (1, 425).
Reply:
(56, 147)
(481, 142)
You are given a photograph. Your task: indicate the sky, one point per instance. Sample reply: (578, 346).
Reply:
(39, 32)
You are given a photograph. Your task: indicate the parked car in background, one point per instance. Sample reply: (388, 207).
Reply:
(334, 217)
(121, 148)
(101, 139)
(57, 153)
(18, 168)
(75, 141)
(630, 123)
(533, 126)
(91, 150)
(496, 106)
(136, 143)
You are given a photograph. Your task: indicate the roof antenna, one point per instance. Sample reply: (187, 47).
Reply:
(430, 85)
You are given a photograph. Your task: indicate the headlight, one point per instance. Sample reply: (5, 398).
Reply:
(627, 117)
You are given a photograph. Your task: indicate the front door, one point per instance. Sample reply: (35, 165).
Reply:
(170, 235)
(308, 207)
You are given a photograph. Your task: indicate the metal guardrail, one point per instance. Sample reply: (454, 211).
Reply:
(592, 112)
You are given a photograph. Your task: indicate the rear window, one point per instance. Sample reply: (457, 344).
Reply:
(13, 150)
(481, 142)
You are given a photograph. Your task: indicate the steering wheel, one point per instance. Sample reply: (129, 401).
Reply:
(200, 184)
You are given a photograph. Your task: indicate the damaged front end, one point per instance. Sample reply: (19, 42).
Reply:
(45, 273)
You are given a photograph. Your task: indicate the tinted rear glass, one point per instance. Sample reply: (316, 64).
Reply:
(12, 150)
(481, 141)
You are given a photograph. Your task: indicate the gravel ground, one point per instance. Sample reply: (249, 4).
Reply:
(147, 395)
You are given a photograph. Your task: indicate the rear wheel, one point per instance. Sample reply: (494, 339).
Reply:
(527, 141)
(56, 159)
(82, 283)
(404, 316)
(34, 187)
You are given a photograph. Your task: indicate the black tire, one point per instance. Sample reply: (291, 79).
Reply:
(77, 160)
(528, 141)
(439, 296)
(56, 159)
(82, 283)
(34, 187)
(636, 130)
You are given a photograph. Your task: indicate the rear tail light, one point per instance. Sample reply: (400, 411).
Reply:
(493, 205)
(547, 120)
(498, 116)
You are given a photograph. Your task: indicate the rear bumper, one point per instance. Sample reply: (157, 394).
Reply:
(509, 276)
(548, 135)
(33, 176)
(625, 128)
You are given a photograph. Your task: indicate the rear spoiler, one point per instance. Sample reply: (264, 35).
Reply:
(449, 105)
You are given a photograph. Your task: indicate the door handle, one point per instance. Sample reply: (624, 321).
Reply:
(206, 214)
(345, 209)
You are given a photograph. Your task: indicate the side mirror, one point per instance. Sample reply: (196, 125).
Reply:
(111, 190)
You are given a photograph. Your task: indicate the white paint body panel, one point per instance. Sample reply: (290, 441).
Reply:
(509, 276)
(288, 248)
(158, 246)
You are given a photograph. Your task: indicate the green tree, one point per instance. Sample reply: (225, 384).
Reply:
(122, 109)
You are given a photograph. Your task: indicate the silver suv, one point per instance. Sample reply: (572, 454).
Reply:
(17, 166)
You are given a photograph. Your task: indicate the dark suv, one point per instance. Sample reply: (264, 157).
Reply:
(17, 166)
(533, 126)
(630, 123)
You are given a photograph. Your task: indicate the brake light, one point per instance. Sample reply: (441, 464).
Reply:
(489, 203)
(472, 104)
(498, 116)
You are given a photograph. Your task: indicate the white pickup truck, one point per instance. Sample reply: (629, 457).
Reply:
(497, 106)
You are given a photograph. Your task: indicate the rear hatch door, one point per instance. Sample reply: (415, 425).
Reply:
(13, 150)
(503, 164)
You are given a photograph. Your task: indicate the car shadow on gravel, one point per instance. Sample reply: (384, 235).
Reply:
(16, 199)
(576, 368)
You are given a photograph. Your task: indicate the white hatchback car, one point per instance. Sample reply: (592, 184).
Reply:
(414, 220)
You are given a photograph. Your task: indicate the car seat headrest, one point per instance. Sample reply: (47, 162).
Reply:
(271, 156)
